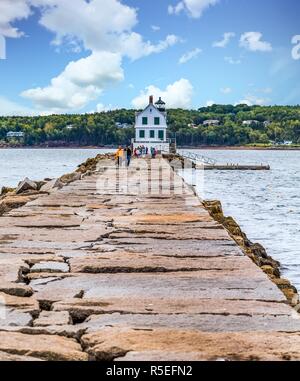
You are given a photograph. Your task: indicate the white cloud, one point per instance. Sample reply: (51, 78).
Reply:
(96, 23)
(104, 28)
(252, 100)
(253, 41)
(176, 95)
(225, 41)
(226, 90)
(155, 28)
(178, 8)
(134, 47)
(243, 102)
(9, 108)
(232, 61)
(80, 82)
(99, 25)
(194, 8)
(189, 56)
(102, 108)
(11, 11)
(210, 103)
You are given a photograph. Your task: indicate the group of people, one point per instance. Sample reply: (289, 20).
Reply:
(123, 155)
(143, 151)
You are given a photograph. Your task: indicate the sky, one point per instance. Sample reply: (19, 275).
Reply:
(82, 56)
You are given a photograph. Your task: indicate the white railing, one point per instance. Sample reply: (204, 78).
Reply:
(196, 157)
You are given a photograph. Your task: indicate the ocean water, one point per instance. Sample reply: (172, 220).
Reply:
(37, 164)
(266, 204)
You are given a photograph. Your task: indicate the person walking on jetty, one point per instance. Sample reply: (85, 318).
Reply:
(153, 152)
(119, 156)
(128, 156)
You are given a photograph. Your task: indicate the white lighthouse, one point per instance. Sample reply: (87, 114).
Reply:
(151, 127)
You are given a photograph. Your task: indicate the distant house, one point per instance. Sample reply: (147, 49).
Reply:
(192, 125)
(267, 123)
(211, 123)
(14, 134)
(250, 122)
(122, 125)
(70, 127)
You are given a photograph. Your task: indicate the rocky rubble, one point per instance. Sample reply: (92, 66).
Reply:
(26, 185)
(178, 162)
(91, 164)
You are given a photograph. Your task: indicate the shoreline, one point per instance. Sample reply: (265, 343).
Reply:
(241, 148)
(200, 148)
(58, 148)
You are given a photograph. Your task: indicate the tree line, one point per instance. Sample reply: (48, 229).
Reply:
(100, 129)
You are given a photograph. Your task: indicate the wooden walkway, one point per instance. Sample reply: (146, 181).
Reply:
(115, 266)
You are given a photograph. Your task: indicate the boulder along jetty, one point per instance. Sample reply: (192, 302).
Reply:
(107, 263)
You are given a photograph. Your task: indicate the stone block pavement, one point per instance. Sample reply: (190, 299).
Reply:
(128, 265)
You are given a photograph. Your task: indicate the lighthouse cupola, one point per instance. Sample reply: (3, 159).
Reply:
(161, 105)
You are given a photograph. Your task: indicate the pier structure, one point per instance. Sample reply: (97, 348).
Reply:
(127, 264)
(203, 162)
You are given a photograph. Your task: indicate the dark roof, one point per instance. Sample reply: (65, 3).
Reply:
(160, 102)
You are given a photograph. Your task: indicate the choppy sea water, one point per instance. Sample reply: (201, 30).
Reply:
(266, 204)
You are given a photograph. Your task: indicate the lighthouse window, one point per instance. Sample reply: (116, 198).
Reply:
(145, 121)
(161, 134)
(157, 121)
(142, 134)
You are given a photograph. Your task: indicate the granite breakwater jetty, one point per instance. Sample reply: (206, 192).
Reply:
(105, 264)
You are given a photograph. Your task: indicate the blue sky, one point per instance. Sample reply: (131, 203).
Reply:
(81, 56)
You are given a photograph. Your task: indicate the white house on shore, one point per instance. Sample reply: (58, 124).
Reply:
(123, 125)
(151, 127)
(250, 122)
(15, 134)
(211, 122)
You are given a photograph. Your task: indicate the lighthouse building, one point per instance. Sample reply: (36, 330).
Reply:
(151, 127)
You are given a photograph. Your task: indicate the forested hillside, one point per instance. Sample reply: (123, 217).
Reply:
(282, 123)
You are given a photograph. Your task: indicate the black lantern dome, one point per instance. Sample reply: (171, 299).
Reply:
(161, 105)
